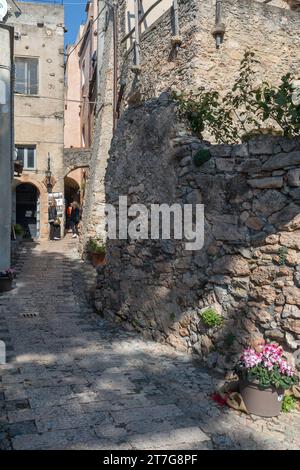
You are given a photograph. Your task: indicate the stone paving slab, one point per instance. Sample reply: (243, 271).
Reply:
(74, 381)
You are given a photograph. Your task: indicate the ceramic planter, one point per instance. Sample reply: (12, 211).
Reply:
(98, 259)
(260, 401)
(5, 284)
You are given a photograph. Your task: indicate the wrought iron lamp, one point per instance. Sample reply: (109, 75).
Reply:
(48, 174)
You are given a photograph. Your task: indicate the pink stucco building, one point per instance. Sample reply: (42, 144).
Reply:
(80, 95)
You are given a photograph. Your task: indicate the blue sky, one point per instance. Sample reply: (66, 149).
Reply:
(74, 16)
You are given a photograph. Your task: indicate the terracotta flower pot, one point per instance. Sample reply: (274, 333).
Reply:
(98, 259)
(5, 284)
(260, 401)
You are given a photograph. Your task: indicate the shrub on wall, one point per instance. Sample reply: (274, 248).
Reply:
(244, 108)
(211, 318)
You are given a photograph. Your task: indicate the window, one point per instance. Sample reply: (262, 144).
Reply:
(26, 75)
(27, 155)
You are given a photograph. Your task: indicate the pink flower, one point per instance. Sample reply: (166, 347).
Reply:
(251, 358)
(270, 356)
(285, 368)
(268, 364)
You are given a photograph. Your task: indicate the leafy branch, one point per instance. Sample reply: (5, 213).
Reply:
(244, 108)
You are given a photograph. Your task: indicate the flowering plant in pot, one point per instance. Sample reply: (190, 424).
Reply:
(6, 279)
(97, 250)
(263, 376)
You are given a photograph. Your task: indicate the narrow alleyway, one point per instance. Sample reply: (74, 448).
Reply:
(73, 381)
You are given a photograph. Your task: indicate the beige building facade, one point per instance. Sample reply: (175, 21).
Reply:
(39, 113)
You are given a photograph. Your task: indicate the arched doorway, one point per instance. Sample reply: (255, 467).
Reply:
(72, 193)
(72, 190)
(28, 210)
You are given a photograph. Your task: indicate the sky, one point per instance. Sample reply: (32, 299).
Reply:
(74, 16)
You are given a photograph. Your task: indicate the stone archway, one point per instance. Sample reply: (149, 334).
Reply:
(27, 210)
(42, 199)
(75, 158)
(72, 190)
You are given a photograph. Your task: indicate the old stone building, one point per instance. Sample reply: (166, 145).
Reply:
(39, 112)
(195, 60)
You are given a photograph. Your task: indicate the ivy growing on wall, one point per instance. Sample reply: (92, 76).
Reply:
(245, 108)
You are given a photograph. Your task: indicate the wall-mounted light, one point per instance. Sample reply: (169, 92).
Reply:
(48, 179)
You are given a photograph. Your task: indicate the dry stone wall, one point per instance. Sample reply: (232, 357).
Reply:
(249, 268)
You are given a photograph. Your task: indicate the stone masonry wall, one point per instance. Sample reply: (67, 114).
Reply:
(271, 32)
(94, 200)
(249, 267)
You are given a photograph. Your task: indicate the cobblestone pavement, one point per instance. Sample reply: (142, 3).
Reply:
(73, 381)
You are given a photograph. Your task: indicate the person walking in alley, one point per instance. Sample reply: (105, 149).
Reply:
(53, 221)
(68, 216)
(75, 219)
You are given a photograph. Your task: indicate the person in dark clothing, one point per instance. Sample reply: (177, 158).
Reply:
(75, 219)
(53, 219)
(68, 216)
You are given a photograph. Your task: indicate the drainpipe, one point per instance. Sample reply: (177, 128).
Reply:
(219, 29)
(137, 65)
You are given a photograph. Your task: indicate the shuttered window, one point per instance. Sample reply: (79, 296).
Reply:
(26, 75)
(26, 155)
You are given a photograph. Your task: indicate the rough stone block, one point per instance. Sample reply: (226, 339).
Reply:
(294, 177)
(282, 160)
(261, 145)
(225, 164)
(220, 150)
(266, 183)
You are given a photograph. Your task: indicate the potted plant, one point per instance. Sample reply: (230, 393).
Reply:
(263, 376)
(97, 251)
(6, 279)
(19, 232)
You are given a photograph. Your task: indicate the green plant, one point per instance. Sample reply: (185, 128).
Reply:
(288, 403)
(201, 157)
(211, 318)
(244, 108)
(96, 245)
(18, 229)
(282, 253)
